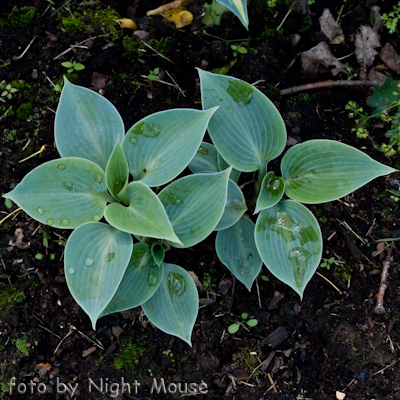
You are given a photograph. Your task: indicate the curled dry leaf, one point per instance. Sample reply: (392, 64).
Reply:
(329, 26)
(165, 7)
(321, 54)
(19, 235)
(196, 280)
(126, 23)
(390, 57)
(376, 18)
(366, 42)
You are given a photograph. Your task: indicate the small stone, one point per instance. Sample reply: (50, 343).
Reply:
(340, 395)
(85, 353)
(117, 330)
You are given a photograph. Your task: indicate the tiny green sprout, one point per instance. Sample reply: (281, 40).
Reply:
(238, 49)
(265, 278)
(73, 66)
(39, 256)
(58, 88)
(52, 256)
(235, 327)
(327, 262)
(8, 91)
(153, 75)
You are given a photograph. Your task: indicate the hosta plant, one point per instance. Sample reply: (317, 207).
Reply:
(106, 175)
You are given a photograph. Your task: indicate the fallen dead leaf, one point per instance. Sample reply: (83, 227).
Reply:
(98, 81)
(165, 7)
(390, 57)
(366, 42)
(376, 18)
(181, 19)
(374, 75)
(19, 235)
(321, 53)
(126, 23)
(329, 26)
(196, 280)
(46, 366)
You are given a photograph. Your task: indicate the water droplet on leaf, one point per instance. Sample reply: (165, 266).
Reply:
(61, 166)
(152, 280)
(133, 139)
(109, 256)
(276, 185)
(70, 271)
(50, 221)
(98, 178)
(96, 217)
(176, 284)
(40, 210)
(64, 222)
(89, 262)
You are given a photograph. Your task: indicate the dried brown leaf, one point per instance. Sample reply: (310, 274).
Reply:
(390, 57)
(196, 280)
(328, 25)
(19, 235)
(366, 42)
(321, 53)
(376, 18)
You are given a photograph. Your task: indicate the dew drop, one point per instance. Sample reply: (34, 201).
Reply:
(276, 185)
(50, 221)
(176, 284)
(133, 139)
(96, 217)
(89, 262)
(152, 280)
(64, 222)
(98, 178)
(61, 166)
(40, 210)
(109, 256)
(70, 271)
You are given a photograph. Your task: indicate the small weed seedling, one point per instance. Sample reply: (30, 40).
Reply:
(153, 75)
(392, 18)
(327, 262)
(8, 91)
(386, 103)
(238, 49)
(249, 322)
(73, 66)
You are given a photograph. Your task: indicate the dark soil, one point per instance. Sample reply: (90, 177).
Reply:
(326, 343)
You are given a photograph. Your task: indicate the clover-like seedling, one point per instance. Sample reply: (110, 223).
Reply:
(153, 75)
(73, 66)
(8, 92)
(249, 322)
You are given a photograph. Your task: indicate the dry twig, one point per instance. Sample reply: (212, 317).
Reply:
(379, 308)
(324, 84)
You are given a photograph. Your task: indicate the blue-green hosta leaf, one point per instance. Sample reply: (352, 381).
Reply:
(158, 253)
(141, 280)
(237, 250)
(289, 241)
(96, 257)
(205, 159)
(318, 171)
(272, 189)
(223, 165)
(145, 215)
(63, 193)
(235, 207)
(239, 8)
(195, 204)
(247, 129)
(117, 172)
(87, 125)
(174, 306)
(159, 147)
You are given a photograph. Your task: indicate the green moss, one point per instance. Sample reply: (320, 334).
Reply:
(163, 46)
(9, 135)
(22, 346)
(132, 46)
(247, 358)
(9, 297)
(85, 19)
(21, 17)
(24, 111)
(272, 92)
(130, 354)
